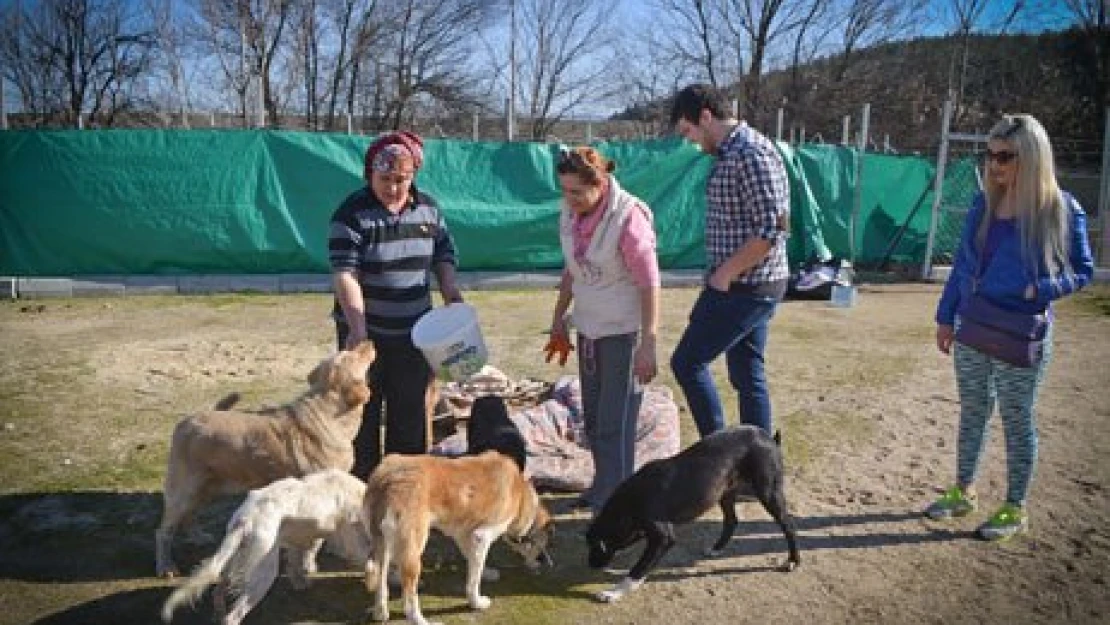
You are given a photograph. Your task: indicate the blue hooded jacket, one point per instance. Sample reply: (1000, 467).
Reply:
(1005, 278)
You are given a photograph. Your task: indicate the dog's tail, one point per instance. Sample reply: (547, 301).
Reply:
(210, 572)
(228, 402)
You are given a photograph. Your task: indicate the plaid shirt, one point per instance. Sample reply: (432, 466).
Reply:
(748, 197)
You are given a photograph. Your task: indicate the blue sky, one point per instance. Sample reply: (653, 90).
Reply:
(633, 15)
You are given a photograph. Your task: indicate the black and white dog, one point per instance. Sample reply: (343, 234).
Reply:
(490, 427)
(730, 465)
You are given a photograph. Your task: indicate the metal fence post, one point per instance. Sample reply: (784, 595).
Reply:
(938, 190)
(3, 107)
(865, 122)
(1104, 197)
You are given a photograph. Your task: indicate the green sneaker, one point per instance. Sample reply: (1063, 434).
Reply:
(1009, 521)
(953, 503)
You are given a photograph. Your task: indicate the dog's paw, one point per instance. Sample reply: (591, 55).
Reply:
(612, 595)
(616, 593)
(168, 572)
(299, 581)
(490, 574)
(789, 565)
(370, 577)
(380, 613)
(481, 602)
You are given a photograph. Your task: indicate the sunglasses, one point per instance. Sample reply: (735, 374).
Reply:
(570, 161)
(1002, 157)
(1016, 124)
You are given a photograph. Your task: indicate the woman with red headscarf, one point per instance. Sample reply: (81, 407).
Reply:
(384, 241)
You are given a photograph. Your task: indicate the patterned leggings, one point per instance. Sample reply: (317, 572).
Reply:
(982, 382)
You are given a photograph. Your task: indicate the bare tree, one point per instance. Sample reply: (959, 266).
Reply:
(72, 57)
(691, 34)
(266, 22)
(967, 17)
(562, 65)
(220, 33)
(648, 77)
(170, 58)
(246, 37)
(357, 25)
(1093, 19)
(758, 25)
(866, 23)
(308, 35)
(422, 57)
(812, 30)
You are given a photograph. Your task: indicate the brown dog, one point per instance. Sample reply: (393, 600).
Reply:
(473, 499)
(225, 452)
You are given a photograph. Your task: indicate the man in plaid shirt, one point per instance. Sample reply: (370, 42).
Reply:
(747, 212)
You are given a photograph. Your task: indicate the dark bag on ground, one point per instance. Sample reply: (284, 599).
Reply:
(1012, 337)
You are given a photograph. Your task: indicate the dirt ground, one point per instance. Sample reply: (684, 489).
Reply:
(90, 388)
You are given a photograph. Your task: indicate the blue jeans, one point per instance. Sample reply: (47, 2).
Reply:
(736, 324)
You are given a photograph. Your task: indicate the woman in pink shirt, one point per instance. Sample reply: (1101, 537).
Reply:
(612, 277)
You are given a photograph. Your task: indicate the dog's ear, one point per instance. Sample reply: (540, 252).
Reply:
(366, 350)
(318, 377)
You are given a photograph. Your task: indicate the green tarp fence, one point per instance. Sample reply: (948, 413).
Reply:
(180, 202)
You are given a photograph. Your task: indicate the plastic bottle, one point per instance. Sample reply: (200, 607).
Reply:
(846, 275)
(843, 291)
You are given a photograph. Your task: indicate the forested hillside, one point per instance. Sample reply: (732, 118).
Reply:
(1054, 76)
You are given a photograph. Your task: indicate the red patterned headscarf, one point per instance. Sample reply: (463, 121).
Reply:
(394, 151)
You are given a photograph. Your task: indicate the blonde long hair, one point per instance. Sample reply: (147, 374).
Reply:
(1043, 217)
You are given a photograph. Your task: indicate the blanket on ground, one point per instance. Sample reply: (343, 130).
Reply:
(558, 447)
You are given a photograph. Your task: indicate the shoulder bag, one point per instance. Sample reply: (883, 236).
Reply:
(1016, 338)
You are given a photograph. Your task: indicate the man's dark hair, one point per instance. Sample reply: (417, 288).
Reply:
(693, 99)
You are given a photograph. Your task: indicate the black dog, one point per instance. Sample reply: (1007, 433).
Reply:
(730, 465)
(491, 428)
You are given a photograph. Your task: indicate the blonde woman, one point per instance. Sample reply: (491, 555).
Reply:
(612, 277)
(1024, 245)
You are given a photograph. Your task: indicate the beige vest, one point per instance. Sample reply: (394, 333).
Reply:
(606, 300)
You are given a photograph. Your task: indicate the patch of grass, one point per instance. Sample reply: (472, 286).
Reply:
(116, 430)
(252, 298)
(808, 435)
(1094, 300)
(798, 332)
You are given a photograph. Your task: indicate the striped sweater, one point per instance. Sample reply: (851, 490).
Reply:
(392, 255)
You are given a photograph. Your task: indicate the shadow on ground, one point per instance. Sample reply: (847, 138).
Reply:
(104, 537)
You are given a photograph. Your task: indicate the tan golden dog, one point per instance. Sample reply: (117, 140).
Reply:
(232, 451)
(473, 499)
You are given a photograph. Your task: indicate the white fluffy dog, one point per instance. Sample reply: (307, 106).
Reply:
(293, 513)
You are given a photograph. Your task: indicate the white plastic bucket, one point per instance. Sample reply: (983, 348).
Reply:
(451, 340)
